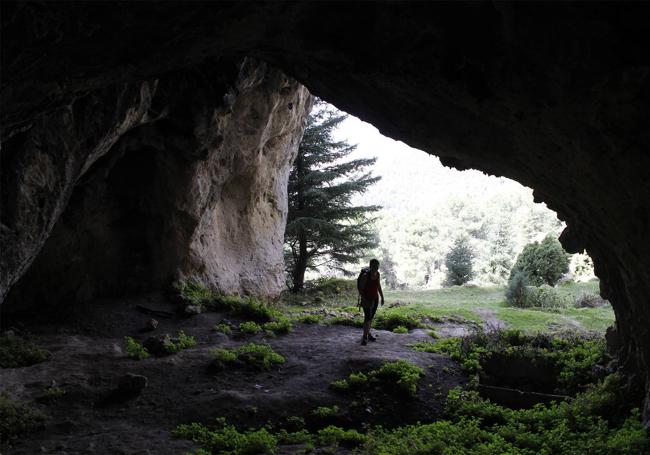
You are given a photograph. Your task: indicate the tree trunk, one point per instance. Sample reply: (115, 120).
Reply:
(301, 263)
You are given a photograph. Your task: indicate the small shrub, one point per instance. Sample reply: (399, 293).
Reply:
(194, 293)
(281, 326)
(223, 328)
(433, 334)
(340, 385)
(259, 356)
(182, 341)
(50, 394)
(311, 319)
(16, 352)
(544, 297)
(333, 436)
(250, 327)
(424, 346)
(516, 290)
(392, 320)
(135, 350)
(400, 329)
(400, 376)
(227, 439)
(16, 419)
(325, 411)
(589, 300)
(245, 308)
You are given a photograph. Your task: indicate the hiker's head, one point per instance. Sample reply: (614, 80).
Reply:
(374, 264)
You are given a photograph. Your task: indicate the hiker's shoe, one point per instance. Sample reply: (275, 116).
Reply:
(364, 342)
(371, 338)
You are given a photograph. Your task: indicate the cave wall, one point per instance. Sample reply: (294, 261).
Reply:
(555, 95)
(197, 193)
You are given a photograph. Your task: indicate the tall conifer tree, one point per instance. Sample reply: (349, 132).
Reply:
(323, 227)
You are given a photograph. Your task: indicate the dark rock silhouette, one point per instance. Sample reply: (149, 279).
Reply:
(553, 95)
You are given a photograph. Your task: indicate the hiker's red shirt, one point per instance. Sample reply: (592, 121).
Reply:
(371, 290)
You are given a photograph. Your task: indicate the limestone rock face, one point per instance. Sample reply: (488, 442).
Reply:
(198, 193)
(553, 95)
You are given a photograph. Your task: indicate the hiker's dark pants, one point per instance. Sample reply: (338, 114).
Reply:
(369, 308)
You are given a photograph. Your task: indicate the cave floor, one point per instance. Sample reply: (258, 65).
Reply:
(88, 359)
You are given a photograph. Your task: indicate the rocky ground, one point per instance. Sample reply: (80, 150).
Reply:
(88, 362)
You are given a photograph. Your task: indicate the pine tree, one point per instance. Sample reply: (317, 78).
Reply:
(459, 262)
(323, 227)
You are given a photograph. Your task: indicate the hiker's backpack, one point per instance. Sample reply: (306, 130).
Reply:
(364, 271)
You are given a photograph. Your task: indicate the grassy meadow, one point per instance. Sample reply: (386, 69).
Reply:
(462, 303)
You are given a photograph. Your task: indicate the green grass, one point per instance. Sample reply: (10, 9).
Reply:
(134, 349)
(258, 356)
(16, 419)
(467, 302)
(463, 304)
(16, 352)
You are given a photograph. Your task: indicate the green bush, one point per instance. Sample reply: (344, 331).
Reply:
(424, 346)
(16, 419)
(333, 436)
(311, 319)
(224, 328)
(542, 262)
(392, 320)
(250, 327)
(194, 292)
(400, 329)
(589, 300)
(399, 376)
(16, 352)
(259, 356)
(281, 326)
(325, 411)
(516, 289)
(226, 439)
(134, 349)
(182, 341)
(475, 426)
(246, 308)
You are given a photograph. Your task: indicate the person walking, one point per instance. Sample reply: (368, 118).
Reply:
(369, 287)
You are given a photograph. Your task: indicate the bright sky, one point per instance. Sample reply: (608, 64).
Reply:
(422, 176)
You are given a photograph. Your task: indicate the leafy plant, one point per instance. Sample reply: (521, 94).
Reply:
(280, 326)
(193, 292)
(259, 356)
(134, 349)
(400, 376)
(226, 439)
(16, 419)
(400, 329)
(311, 319)
(393, 319)
(182, 341)
(224, 328)
(250, 327)
(325, 411)
(16, 352)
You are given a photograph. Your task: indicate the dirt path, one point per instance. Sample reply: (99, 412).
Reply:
(88, 360)
(490, 321)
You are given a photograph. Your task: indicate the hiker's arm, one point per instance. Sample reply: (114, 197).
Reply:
(381, 293)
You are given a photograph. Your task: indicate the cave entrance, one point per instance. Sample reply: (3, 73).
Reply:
(449, 240)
